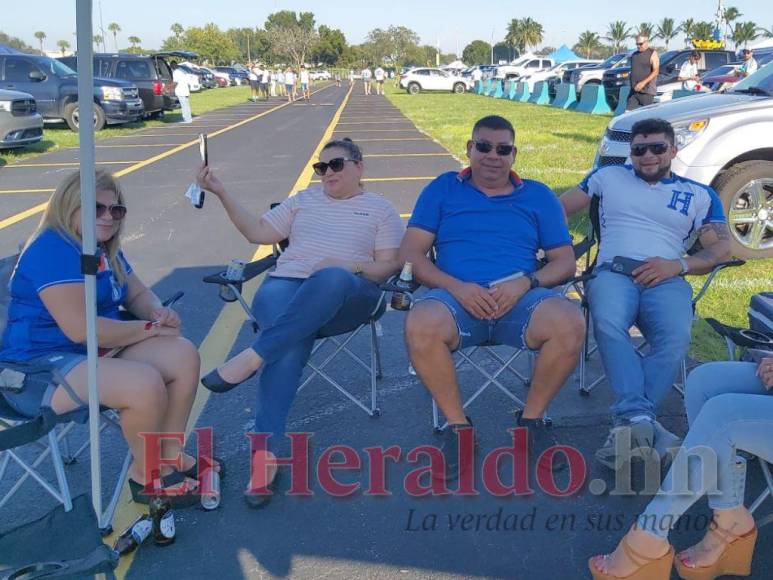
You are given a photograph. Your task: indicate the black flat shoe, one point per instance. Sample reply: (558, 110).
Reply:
(179, 501)
(217, 384)
(193, 472)
(260, 497)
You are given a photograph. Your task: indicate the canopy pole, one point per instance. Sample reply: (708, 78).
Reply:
(88, 230)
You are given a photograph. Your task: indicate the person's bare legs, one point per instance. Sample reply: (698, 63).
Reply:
(557, 330)
(431, 335)
(735, 520)
(619, 564)
(135, 389)
(177, 361)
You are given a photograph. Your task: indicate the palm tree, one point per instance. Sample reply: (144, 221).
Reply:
(617, 34)
(115, 29)
(177, 29)
(40, 35)
(730, 15)
(63, 46)
(514, 36)
(588, 42)
(135, 41)
(647, 29)
(744, 33)
(666, 30)
(98, 40)
(532, 32)
(703, 30)
(688, 27)
(764, 32)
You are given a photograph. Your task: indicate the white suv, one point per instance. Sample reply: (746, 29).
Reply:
(433, 79)
(724, 140)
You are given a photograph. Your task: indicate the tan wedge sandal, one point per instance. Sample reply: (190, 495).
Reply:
(736, 558)
(649, 568)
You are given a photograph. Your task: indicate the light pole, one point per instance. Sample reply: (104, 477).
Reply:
(492, 46)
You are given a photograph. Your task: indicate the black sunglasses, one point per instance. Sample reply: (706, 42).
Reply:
(337, 165)
(117, 211)
(641, 148)
(640, 43)
(486, 147)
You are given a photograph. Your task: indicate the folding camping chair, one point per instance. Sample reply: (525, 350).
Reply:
(748, 338)
(503, 364)
(340, 342)
(594, 235)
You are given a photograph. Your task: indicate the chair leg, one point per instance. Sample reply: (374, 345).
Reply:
(374, 372)
(377, 349)
(768, 492)
(106, 517)
(61, 477)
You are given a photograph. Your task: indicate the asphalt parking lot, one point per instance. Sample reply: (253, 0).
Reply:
(262, 152)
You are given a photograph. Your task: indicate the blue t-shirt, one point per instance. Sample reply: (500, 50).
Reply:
(480, 238)
(52, 258)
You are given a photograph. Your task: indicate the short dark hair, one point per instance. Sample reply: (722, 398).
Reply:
(651, 127)
(695, 54)
(747, 50)
(354, 151)
(496, 123)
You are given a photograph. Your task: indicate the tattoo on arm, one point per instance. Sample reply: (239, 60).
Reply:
(720, 230)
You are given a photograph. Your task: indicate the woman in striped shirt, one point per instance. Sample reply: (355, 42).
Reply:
(343, 241)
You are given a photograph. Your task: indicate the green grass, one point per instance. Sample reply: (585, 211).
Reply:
(557, 147)
(59, 136)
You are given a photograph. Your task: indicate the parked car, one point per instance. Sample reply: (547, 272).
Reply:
(151, 74)
(206, 79)
(236, 76)
(194, 80)
(20, 122)
(525, 65)
(555, 72)
(319, 75)
(724, 140)
(593, 75)
(216, 80)
(54, 87)
(433, 79)
(223, 78)
(670, 63)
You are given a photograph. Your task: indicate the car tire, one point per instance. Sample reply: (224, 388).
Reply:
(71, 116)
(742, 201)
(156, 115)
(459, 88)
(414, 88)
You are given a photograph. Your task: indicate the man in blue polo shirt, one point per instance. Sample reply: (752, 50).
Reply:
(650, 214)
(487, 225)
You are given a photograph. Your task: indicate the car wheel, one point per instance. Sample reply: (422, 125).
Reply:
(414, 88)
(746, 190)
(459, 88)
(72, 117)
(156, 115)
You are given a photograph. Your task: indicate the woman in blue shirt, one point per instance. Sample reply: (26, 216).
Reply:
(148, 371)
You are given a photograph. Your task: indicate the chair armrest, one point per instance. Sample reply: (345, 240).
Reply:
(734, 263)
(251, 270)
(583, 247)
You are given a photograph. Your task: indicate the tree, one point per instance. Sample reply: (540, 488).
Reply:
(744, 33)
(764, 32)
(16, 43)
(40, 35)
(63, 46)
(688, 27)
(515, 36)
(703, 30)
(135, 41)
(291, 36)
(646, 29)
(177, 29)
(209, 42)
(532, 32)
(730, 15)
(503, 51)
(477, 52)
(115, 29)
(98, 39)
(666, 30)
(587, 44)
(392, 45)
(617, 33)
(330, 46)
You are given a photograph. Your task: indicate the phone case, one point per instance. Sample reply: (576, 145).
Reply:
(626, 266)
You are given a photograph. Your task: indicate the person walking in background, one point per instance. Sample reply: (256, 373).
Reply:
(645, 65)
(366, 78)
(338, 78)
(305, 81)
(182, 91)
(280, 82)
(265, 79)
(272, 84)
(380, 75)
(290, 84)
(254, 77)
(351, 77)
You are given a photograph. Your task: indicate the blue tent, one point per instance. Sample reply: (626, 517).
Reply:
(563, 54)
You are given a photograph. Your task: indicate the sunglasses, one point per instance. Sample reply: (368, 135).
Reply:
(486, 147)
(337, 165)
(640, 43)
(641, 148)
(117, 212)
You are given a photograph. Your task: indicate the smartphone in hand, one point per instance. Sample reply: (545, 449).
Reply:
(625, 266)
(203, 152)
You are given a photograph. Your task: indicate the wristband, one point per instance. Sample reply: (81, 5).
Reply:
(533, 281)
(685, 266)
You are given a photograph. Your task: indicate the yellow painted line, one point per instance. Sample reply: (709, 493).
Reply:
(213, 351)
(378, 179)
(137, 166)
(408, 155)
(68, 164)
(377, 130)
(375, 122)
(7, 191)
(136, 145)
(395, 139)
(188, 134)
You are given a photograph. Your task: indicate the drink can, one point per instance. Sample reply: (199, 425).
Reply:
(210, 489)
(234, 274)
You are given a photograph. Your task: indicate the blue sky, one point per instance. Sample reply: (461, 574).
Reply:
(451, 22)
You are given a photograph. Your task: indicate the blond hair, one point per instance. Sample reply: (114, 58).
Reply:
(66, 201)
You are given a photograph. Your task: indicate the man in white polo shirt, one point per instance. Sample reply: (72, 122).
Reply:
(649, 214)
(379, 75)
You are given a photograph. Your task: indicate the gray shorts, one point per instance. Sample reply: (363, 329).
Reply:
(38, 394)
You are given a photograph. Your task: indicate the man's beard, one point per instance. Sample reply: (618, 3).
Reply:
(654, 178)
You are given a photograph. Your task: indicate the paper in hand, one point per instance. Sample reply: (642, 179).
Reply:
(196, 195)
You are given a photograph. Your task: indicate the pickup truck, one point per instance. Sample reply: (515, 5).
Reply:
(724, 140)
(54, 87)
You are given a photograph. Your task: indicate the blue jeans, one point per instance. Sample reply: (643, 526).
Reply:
(663, 313)
(728, 408)
(185, 106)
(292, 313)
